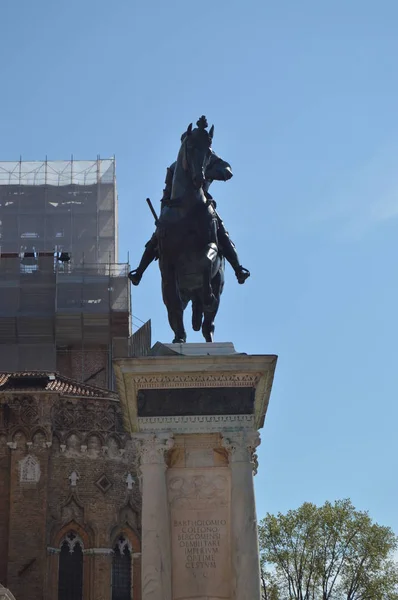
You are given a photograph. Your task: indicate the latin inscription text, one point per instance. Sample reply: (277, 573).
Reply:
(200, 541)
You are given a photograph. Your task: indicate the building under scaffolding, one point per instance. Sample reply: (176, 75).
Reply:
(64, 205)
(64, 298)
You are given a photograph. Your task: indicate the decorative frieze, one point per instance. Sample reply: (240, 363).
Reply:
(87, 416)
(195, 380)
(196, 423)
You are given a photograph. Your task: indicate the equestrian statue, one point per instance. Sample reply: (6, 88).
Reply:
(190, 240)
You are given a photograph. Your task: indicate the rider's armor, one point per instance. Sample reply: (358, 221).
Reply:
(218, 233)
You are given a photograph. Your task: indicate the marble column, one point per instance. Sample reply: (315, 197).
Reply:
(156, 546)
(244, 539)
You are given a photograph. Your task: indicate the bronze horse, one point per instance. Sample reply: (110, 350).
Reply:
(191, 266)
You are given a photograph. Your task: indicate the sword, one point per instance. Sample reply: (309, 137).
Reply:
(153, 211)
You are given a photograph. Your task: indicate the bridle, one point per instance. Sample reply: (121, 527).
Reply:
(186, 164)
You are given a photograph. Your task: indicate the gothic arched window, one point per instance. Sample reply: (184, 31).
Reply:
(70, 578)
(121, 570)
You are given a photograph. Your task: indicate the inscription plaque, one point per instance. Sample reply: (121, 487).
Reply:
(195, 401)
(200, 523)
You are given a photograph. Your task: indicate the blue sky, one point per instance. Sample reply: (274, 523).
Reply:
(303, 96)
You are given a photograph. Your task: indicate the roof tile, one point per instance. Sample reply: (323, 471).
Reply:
(51, 382)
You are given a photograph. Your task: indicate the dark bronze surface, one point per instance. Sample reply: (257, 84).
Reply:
(190, 240)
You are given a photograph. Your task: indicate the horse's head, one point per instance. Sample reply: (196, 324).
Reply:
(196, 146)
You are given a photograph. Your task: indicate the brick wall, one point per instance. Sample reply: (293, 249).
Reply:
(27, 522)
(86, 438)
(4, 506)
(92, 362)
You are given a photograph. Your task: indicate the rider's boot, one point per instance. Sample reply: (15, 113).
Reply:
(229, 251)
(149, 255)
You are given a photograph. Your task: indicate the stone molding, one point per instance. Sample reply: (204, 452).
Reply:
(99, 551)
(196, 424)
(96, 551)
(240, 445)
(179, 372)
(152, 448)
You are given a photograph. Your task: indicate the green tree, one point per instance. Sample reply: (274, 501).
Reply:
(332, 552)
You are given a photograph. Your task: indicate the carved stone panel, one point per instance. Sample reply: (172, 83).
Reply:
(87, 416)
(199, 501)
(29, 470)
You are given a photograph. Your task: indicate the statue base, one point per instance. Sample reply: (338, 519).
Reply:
(194, 411)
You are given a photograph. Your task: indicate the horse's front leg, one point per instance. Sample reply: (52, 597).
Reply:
(210, 257)
(172, 301)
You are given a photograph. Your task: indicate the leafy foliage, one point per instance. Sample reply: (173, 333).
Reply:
(332, 552)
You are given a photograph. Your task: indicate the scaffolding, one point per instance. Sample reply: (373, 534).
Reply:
(56, 309)
(64, 298)
(60, 205)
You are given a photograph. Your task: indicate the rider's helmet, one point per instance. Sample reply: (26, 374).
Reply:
(201, 123)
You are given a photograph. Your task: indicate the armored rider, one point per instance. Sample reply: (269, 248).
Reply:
(217, 169)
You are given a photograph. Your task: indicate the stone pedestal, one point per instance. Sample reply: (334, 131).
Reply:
(194, 411)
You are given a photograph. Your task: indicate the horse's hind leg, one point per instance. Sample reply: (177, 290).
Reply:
(197, 312)
(173, 302)
(208, 326)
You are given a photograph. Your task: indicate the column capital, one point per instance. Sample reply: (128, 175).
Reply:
(240, 445)
(153, 447)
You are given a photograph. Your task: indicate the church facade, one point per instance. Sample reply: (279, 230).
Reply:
(69, 493)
